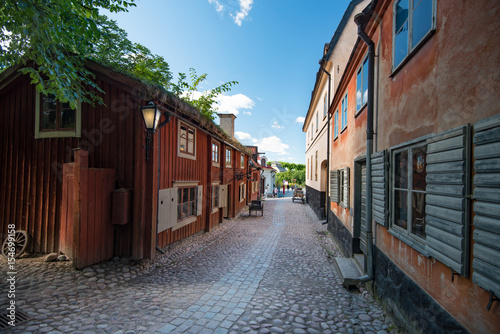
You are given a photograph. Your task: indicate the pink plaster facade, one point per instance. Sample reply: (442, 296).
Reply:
(451, 79)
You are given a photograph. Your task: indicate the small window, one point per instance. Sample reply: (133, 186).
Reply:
(215, 153)
(186, 141)
(242, 160)
(228, 157)
(343, 184)
(325, 106)
(243, 190)
(186, 202)
(55, 119)
(409, 190)
(344, 112)
(362, 85)
(336, 124)
(413, 21)
(316, 169)
(317, 121)
(215, 197)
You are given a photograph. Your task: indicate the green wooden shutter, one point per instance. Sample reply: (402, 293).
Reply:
(363, 236)
(334, 186)
(380, 184)
(447, 206)
(486, 263)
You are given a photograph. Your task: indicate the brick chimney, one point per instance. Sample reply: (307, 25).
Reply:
(227, 123)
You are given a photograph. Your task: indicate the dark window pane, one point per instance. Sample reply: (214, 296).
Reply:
(185, 210)
(419, 172)
(422, 20)
(401, 44)
(401, 14)
(49, 119)
(401, 208)
(191, 193)
(418, 215)
(179, 212)
(401, 170)
(67, 118)
(359, 89)
(191, 209)
(185, 195)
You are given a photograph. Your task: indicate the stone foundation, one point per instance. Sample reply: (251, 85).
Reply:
(316, 200)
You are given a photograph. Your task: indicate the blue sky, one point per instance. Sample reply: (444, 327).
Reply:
(271, 47)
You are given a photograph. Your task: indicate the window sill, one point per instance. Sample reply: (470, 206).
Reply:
(361, 110)
(186, 156)
(342, 131)
(184, 222)
(215, 164)
(57, 134)
(412, 53)
(417, 245)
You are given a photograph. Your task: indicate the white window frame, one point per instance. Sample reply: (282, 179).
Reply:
(228, 157)
(361, 70)
(325, 105)
(242, 160)
(336, 124)
(410, 51)
(405, 234)
(180, 153)
(215, 196)
(344, 108)
(76, 132)
(317, 121)
(215, 153)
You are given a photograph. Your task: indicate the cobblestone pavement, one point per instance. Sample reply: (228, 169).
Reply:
(270, 274)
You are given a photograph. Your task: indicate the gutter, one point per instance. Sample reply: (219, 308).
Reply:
(360, 21)
(327, 204)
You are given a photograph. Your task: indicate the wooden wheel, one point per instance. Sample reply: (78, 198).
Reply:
(20, 244)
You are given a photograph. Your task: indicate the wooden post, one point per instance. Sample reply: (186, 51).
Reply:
(81, 160)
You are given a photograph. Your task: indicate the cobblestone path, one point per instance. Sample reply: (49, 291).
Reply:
(270, 274)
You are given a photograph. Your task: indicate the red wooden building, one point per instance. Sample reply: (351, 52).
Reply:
(78, 180)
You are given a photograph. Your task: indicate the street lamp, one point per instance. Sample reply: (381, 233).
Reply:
(151, 116)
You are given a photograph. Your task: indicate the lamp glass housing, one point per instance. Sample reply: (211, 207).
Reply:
(151, 116)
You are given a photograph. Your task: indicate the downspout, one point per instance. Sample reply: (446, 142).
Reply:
(321, 62)
(360, 19)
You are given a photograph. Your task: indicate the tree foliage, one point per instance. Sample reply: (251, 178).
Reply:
(52, 39)
(205, 101)
(298, 175)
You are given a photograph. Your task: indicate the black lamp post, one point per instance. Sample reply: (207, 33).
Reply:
(151, 115)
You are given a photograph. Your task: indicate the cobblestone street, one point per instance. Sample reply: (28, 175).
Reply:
(270, 274)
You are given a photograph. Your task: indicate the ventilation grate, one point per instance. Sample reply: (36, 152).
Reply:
(20, 318)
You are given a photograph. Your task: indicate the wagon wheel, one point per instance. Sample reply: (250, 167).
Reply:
(20, 243)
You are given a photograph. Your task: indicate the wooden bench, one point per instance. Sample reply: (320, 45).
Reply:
(256, 206)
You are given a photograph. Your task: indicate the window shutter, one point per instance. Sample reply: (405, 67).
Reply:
(379, 187)
(448, 155)
(222, 196)
(167, 213)
(334, 186)
(346, 172)
(199, 202)
(486, 263)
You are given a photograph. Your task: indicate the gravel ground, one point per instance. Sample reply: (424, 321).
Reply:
(270, 274)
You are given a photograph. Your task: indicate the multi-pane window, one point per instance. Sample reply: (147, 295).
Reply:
(215, 196)
(344, 186)
(186, 202)
(228, 157)
(344, 112)
(215, 153)
(413, 20)
(56, 116)
(409, 190)
(362, 85)
(56, 119)
(186, 140)
(325, 105)
(336, 124)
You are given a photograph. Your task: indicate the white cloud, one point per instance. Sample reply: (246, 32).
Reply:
(238, 15)
(271, 144)
(276, 125)
(218, 6)
(248, 113)
(242, 135)
(231, 104)
(245, 6)
(300, 120)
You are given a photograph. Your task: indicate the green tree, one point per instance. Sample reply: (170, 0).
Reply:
(52, 39)
(206, 103)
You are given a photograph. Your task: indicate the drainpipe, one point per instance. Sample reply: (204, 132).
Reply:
(360, 19)
(321, 62)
